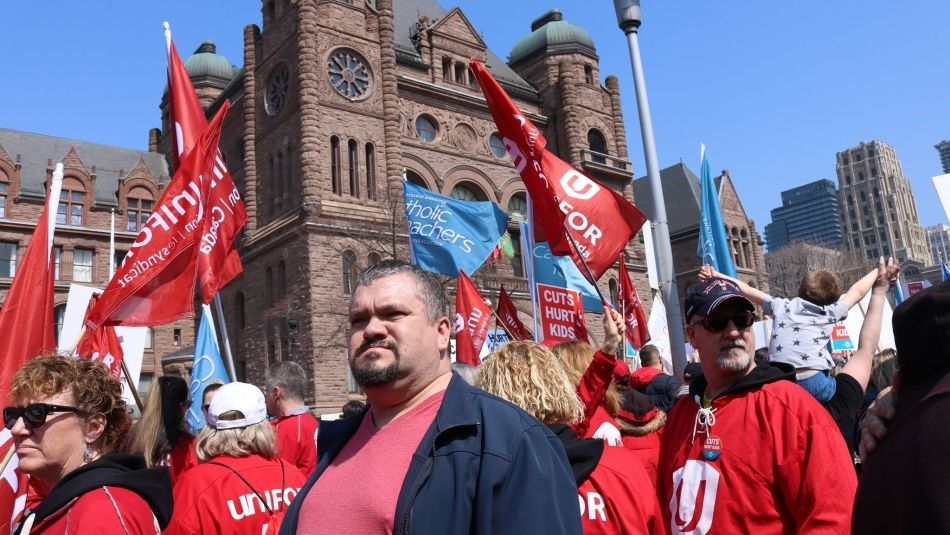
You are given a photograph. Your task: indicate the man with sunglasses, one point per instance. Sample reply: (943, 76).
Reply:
(748, 450)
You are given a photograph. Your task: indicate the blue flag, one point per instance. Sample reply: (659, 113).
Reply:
(447, 235)
(898, 292)
(207, 368)
(713, 247)
(562, 272)
(945, 270)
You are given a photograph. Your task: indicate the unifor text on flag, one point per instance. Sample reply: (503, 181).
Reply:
(156, 281)
(599, 219)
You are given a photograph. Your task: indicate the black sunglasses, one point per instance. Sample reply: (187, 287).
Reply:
(742, 320)
(34, 415)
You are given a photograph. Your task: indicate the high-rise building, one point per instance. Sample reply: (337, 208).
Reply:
(809, 213)
(944, 149)
(938, 238)
(878, 211)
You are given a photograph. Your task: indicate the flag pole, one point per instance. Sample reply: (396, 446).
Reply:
(6, 459)
(219, 312)
(128, 381)
(587, 272)
(112, 245)
(503, 326)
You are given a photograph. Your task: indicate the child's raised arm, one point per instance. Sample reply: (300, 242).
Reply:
(756, 296)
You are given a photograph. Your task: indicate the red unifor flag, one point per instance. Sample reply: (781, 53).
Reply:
(472, 319)
(599, 219)
(638, 332)
(155, 283)
(508, 314)
(27, 327)
(102, 344)
(14, 484)
(218, 260)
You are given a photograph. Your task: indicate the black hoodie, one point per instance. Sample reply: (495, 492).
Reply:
(583, 453)
(764, 372)
(113, 470)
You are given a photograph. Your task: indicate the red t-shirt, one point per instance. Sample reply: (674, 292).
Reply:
(213, 499)
(297, 439)
(357, 493)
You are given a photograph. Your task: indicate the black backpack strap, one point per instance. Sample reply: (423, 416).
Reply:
(235, 472)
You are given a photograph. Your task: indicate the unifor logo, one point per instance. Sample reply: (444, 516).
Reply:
(578, 186)
(694, 498)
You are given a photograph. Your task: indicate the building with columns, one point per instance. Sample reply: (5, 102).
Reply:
(335, 103)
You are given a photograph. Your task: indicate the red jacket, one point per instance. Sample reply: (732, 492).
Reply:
(642, 377)
(613, 490)
(297, 439)
(100, 511)
(212, 499)
(594, 384)
(182, 457)
(782, 465)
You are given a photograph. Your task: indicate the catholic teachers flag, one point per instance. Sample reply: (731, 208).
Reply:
(447, 235)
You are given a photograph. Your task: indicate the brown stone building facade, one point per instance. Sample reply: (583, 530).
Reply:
(682, 196)
(98, 180)
(335, 103)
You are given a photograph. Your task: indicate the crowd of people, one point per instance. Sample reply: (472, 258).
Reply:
(541, 438)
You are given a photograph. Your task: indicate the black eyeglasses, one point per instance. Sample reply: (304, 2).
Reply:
(34, 415)
(742, 320)
(206, 407)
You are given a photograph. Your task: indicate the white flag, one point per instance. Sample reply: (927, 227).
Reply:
(659, 332)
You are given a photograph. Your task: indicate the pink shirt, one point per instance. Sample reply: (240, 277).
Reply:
(357, 493)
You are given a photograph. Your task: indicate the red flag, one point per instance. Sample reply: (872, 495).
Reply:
(508, 314)
(27, 327)
(599, 219)
(472, 319)
(638, 332)
(218, 260)
(14, 484)
(102, 344)
(155, 283)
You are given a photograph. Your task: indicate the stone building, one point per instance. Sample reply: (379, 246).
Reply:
(683, 209)
(335, 102)
(97, 181)
(878, 210)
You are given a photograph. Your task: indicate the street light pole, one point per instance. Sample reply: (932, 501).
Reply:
(628, 17)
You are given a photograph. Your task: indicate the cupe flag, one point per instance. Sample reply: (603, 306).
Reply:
(447, 235)
(207, 369)
(561, 271)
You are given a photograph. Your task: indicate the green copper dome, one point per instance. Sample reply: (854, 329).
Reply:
(550, 32)
(207, 63)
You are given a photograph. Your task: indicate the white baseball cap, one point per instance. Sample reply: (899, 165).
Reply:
(242, 397)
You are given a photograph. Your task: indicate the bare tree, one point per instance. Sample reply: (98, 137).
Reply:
(789, 264)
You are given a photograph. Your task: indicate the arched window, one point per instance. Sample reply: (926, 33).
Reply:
(497, 145)
(335, 173)
(373, 259)
(416, 178)
(349, 271)
(354, 167)
(598, 145)
(4, 184)
(614, 289)
(269, 285)
(371, 171)
(149, 338)
(281, 279)
(239, 321)
(278, 180)
(518, 207)
(272, 176)
(468, 192)
(71, 201)
(139, 207)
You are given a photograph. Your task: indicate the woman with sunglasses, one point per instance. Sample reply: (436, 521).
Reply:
(67, 420)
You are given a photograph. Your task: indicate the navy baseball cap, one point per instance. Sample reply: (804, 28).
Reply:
(704, 298)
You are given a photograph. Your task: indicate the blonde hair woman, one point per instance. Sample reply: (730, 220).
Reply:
(240, 485)
(614, 491)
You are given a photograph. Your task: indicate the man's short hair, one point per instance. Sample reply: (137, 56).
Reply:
(290, 377)
(820, 287)
(211, 387)
(428, 285)
(351, 408)
(649, 355)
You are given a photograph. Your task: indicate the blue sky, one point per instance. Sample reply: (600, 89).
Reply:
(774, 89)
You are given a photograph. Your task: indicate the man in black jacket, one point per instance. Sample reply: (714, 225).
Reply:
(430, 454)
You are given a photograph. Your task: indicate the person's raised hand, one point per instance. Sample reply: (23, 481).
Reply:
(706, 272)
(874, 424)
(614, 330)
